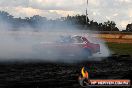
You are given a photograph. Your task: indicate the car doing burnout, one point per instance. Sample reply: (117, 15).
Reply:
(77, 46)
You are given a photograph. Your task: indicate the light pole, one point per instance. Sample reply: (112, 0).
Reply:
(87, 13)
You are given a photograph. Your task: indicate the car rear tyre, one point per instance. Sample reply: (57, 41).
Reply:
(86, 53)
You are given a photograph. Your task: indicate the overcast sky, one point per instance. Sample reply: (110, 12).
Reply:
(119, 11)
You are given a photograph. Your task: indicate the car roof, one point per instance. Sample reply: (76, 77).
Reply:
(77, 36)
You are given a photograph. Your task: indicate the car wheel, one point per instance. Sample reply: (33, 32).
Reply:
(86, 53)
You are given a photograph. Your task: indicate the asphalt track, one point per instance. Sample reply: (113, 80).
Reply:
(61, 75)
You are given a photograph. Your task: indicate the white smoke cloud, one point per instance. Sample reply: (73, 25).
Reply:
(26, 45)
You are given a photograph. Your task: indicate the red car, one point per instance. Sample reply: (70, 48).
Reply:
(69, 46)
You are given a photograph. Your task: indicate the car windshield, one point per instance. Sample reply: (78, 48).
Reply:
(77, 39)
(65, 39)
(68, 39)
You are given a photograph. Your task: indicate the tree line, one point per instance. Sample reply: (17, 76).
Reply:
(36, 22)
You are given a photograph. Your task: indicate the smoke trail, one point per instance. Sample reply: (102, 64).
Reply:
(28, 45)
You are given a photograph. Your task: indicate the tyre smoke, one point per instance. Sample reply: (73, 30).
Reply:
(25, 44)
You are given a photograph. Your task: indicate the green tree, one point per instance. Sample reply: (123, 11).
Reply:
(5, 16)
(110, 26)
(129, 28)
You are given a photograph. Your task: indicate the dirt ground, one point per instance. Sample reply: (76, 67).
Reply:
(118, 40)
